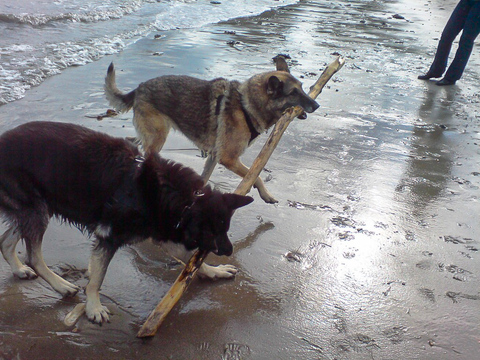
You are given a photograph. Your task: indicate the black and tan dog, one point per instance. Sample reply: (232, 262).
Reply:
(221, 117)
(105, 187)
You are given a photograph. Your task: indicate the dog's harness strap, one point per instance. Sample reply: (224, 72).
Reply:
(197, 194)
(219, 103)
(253, 131)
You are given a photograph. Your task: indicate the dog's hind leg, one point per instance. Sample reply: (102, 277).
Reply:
(152, 127)
(240, 169)
(62, 286)
(8, 242)
(210, 164)
(32, 231)
(97, 268)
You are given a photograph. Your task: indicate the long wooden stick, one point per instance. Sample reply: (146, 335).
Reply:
(156, 317)
(280, 127)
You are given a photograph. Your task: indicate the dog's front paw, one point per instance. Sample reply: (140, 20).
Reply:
(266, 196)
(97, 313)
(71, 291)
(25, 273)
(269, 199)
(65, 288)
(217, 272)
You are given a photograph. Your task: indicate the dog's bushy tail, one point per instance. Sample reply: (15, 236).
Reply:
(120, 101)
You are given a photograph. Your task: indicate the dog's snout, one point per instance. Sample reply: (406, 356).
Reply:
(311, 107)
(224, 252)
(227, 251)
(223, 246)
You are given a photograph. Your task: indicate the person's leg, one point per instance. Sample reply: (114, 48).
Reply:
(454, 25)
(465, 46)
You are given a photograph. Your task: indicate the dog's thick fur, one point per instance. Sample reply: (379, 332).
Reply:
(221, 117)
(106, 188)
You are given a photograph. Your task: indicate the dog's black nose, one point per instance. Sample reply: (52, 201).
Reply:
(311, 107)
(224, 246)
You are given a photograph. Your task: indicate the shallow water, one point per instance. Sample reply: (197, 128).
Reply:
(40, 39)
(372, 251)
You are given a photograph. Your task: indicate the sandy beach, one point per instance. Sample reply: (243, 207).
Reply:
(373, 249)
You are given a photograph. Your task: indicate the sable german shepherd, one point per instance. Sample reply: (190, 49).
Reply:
(220, 117)
(103, 186)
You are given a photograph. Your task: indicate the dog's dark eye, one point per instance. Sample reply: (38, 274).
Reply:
(294, 91)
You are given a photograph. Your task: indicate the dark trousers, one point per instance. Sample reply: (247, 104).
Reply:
(466, 17)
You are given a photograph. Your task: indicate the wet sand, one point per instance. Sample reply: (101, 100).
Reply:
(372, 251)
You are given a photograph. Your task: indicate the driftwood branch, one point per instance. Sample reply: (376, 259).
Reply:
(157, 316)
(155, 319)
(280, 127)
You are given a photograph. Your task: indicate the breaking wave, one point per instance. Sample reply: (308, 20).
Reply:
(41, 42)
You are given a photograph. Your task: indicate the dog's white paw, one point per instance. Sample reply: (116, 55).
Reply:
(217, 272)
(97, 313)
(270, 200)
(71, 290)
(25, 273)
(65, 288)
(266, 196)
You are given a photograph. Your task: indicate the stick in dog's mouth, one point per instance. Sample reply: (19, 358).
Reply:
(156, 317)
(152, 323)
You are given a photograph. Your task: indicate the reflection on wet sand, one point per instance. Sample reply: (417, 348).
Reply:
(430, 159)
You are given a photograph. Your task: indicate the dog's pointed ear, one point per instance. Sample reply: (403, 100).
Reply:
(274, 86)
(281, 63)
(234, 201)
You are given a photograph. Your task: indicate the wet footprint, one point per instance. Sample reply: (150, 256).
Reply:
(455, 295)
(395, 334)
(428, 294)
(458, 273)
(235, 351)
